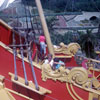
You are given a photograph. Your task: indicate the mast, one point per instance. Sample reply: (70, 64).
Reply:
(44, 26)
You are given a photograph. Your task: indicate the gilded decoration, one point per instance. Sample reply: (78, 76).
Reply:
(59, 74)
(78, 74)
(70, 49)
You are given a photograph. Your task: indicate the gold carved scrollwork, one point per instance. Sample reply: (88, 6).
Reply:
(59, 74)
(70, 49)
(78, 75)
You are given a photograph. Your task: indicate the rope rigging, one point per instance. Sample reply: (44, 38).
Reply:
(29, 52)
(36, 22)
(22, 55)
(15, 53)
(32, 67)
(94, 3)
(72, 8)
(26, 16)
(32, 23)
(23, 64)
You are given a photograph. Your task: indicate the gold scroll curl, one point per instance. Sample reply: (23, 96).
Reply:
(59, 74)
(78, 75)
(70, 49)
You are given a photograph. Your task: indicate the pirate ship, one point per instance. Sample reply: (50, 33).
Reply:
(22, 78)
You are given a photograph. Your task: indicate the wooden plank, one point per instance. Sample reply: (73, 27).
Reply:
(5, 96)
(31, 85)
(62, 56)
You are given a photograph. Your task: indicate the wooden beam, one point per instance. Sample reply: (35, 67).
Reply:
(46, 14)
(45, 28)
(61, 28)
(31, 86)
(74, 28)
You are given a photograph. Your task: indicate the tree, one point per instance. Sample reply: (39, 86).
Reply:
(88, 42)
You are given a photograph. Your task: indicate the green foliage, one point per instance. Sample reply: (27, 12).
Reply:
(88, 42)
(28, 2)
(56, 38)
(72, 5)
(66, 38)
(51, 22)
(67, 5)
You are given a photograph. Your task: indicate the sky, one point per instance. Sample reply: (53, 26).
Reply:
(10, 1)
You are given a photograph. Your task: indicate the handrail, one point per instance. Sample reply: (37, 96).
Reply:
(70, 92)
(75, 93)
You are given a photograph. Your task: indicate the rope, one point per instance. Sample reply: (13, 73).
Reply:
(72, 2)
(31, 21)
(51, 97)
(36, 21)
(29, 54)
(22, 52)
(94, 3)
(32, 67)
(14, 53)
(21, 49)
(65, 8)
(26, 16)
(72, 5)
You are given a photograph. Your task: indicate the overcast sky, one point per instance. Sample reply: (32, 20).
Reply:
(10, 1)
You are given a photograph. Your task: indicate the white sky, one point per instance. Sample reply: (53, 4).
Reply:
(10, 1)
(1, 1)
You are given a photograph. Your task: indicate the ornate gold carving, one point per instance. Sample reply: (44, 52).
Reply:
(72, 92)
(70, 49)
(79, 75)
(59, 74)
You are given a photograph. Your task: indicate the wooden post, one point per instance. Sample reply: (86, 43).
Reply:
(44, 26)
(90, 96)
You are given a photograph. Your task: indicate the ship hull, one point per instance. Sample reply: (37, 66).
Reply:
(59, 90)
